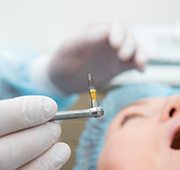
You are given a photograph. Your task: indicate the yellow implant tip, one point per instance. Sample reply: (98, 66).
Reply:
(93, 94)
(92, 91)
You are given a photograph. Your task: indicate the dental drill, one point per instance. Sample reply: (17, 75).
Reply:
(93, 112)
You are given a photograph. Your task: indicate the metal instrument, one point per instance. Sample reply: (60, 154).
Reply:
(94, 111)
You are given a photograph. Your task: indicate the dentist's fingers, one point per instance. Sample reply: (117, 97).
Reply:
(19, 148)
(127, 49)
(24, 112)
(96, 33)
(88, 37)
(53, 159)
(116, 35)
(140, 59)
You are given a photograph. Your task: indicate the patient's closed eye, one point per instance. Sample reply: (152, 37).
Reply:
(131, 117)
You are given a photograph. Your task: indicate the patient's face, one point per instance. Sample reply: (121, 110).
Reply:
(144, 136)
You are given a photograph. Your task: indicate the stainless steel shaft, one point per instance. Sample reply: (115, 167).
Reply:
(76, 114)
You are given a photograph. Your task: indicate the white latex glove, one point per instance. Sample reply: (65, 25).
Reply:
(27, 141)
(103, 50)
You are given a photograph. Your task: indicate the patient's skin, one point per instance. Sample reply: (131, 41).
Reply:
(142, 140)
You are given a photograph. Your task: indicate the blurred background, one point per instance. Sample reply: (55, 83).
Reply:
(38, 27)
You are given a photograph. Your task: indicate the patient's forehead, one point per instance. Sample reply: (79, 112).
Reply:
(149, 101)
(146, 106)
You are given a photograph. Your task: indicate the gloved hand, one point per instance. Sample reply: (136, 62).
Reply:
(103, 50)
(27, 141)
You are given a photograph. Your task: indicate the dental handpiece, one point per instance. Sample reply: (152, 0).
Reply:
(76, 114)
(95, 111)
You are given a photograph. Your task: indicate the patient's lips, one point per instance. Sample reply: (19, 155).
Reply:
(176, 141)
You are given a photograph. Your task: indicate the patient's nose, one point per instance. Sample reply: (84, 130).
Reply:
(171, 107)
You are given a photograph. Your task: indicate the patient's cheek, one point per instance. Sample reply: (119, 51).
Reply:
(115, 124)
(109, 161)
(113, 154)
(101, 161)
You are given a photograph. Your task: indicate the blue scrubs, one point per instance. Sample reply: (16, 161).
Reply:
(15, 81)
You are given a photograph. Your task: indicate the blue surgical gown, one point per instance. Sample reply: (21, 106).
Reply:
(15, 81)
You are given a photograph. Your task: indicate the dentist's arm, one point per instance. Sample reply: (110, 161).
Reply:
(27, 140)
